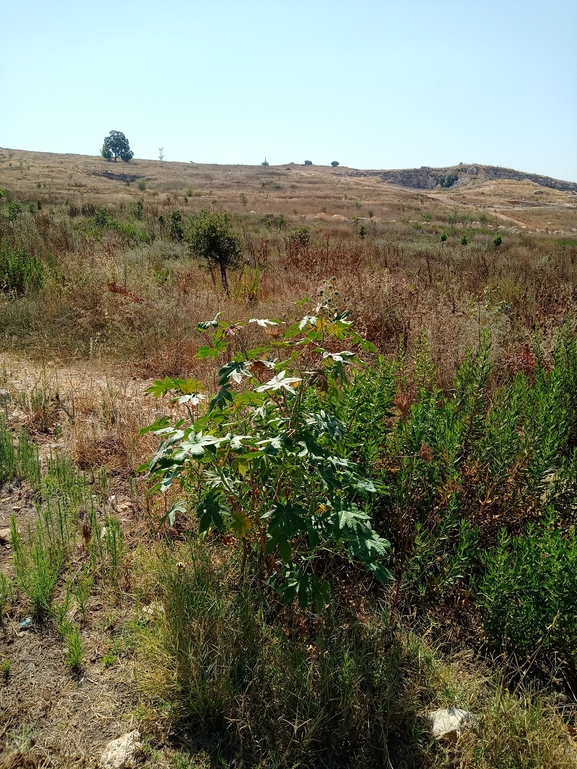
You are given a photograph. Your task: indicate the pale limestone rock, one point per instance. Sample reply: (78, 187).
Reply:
(448, 723)
(122, 753)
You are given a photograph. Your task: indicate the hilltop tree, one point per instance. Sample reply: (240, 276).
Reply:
(116, 146)
(334, 163)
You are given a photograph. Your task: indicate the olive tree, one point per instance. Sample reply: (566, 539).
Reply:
(116, 146)
(212, 238)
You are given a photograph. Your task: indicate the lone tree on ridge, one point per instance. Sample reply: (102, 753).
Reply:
(116, 146)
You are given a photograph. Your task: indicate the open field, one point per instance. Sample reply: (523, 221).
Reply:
(353, 520)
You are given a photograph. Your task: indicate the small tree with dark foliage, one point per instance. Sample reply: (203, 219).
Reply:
(212, 238)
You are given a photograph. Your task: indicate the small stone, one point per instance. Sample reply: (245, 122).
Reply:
(123, 753)
(4, 393)
(4, 535)
(448, 723)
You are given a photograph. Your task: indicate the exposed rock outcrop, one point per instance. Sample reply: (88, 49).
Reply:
(426, 178)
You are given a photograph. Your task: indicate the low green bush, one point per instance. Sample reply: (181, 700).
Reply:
(528, 593)
(20, 273)
(229, 659)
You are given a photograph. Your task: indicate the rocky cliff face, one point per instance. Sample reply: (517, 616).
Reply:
(426, 178)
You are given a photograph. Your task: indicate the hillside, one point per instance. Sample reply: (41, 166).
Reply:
(530, 202)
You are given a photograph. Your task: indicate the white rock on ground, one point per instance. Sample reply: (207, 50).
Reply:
(448, 723)
(122, 753)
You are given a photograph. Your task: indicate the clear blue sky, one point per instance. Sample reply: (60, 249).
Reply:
(372, 84)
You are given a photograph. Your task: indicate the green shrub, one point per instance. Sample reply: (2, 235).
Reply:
(300, 238)
(74, 647)
(528, 593)
(141, 184)
(265, 462)
(132, 232)
(38, 563)
(448, 180)
(5, 594)
(231, 661)
(20, 273)
(103, 218)
(14, 210)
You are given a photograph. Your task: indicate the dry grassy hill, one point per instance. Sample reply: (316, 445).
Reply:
(530, 201)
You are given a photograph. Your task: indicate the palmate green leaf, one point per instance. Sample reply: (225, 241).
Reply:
(194, 399)
(296, 328)
(307, 320)
(162, 386)
(163, 456)
(340, 357)
(280, 541)
(288, 519)
(236, 369)
(351, 521)
(218, 346)
(210, 512)
(223, 397)
(236, 442)
(312, 448)
(369, 546)
(196, 444)
(271, 445)
(250, 398)
(380, 573)
(359, 483)
(264, 322)
(308, 588)
(280, 381)
(240, 523)
(324, 423)
(161, 424)
(170, 516)
(329, 476)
